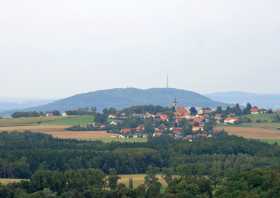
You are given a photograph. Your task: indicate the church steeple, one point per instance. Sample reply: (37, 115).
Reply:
(174, 106)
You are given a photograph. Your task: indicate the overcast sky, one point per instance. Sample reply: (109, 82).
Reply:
(56, 48)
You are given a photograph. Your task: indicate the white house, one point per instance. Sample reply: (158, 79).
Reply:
(231, 121)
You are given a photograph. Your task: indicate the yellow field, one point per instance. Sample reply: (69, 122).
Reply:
(9, 181)
(58, 131)
(138, 180)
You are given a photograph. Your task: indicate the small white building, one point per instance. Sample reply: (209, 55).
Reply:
(49, 114)
(114, 123)
(111, 116)
(64, 114)
(231, 121)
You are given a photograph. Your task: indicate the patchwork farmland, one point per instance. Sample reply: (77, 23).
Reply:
(56, 127)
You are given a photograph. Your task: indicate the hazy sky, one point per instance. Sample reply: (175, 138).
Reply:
(56, 48)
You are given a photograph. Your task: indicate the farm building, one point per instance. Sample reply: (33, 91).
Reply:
(231, 121)
(255, 110)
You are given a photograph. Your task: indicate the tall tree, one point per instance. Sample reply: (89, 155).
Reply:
(187, 127)
(193, 111)
(247, 109)
(113, 179)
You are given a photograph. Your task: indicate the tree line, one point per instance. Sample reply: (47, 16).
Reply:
(93, 183)
(22, 154)
(223, 166)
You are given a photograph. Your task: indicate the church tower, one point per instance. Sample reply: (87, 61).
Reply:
(174, 106)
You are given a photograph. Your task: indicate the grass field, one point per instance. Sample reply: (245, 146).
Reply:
(272, 141)
(261, 117)
(73, 120)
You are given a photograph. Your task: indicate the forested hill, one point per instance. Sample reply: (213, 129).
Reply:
(126, 97)
(219, 167)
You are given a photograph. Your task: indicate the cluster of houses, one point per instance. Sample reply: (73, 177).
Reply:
(169, 124)
(198, 122)
(139, 131)
(232, 119)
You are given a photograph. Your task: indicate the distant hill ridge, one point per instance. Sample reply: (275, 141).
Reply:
(126, 97)
(261, 100)
(7, 104)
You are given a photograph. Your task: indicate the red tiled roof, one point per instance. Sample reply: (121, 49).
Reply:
(199, 119)
(254, 109)
(163, 117)
(126, 130)
(232, 119)
(182, 111)
(140, 128)
(177, 130)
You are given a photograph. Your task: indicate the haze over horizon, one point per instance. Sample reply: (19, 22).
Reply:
(55, 49)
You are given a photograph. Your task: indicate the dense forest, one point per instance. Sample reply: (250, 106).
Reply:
(223, 166)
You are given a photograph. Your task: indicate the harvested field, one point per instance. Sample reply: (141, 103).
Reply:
(138, 180)
(252, 132)
(84, 135)
(25, 121)
(58, 131)
(9, 181)
(36, 128)
(55, 120)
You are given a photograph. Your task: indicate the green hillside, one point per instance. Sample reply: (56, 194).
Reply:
(122, 98)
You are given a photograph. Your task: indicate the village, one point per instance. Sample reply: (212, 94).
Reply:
(181, 124)
(178, 121)
(186, 123)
